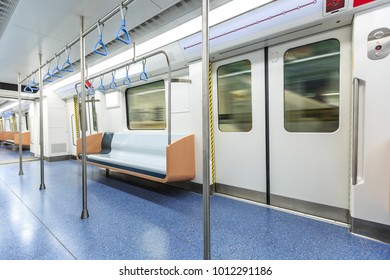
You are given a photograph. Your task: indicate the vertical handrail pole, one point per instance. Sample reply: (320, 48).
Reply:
(41, 142)
(206, 130)
(84, 213)
(169, 99)
(20, 127)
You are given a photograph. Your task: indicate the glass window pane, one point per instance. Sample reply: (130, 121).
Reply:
(311, 87)
(235, 97)
(146, 106)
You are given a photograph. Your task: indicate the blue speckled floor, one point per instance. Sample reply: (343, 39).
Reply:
(129, 222)
(8, 154)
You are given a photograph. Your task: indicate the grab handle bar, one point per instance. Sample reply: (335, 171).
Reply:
(355, 129)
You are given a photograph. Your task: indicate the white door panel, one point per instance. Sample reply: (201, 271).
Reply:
(307, 164)
(240, 156)
(371, 192)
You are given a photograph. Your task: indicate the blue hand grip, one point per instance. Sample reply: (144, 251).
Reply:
(91, 91)
(34, 85)
(102, 88)
(113, 84)
(67, 66)
(48, 77)
(56, 72)
(126, 81)
(28, 88)
(143, 76)
(100, 44)
(124, 31)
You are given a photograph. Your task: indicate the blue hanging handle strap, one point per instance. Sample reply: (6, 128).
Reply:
(67, 66)
(34, 84)
(48, 76)
(56, 70)
(90, 89)
(122, 31)
(101, 87)
(143, 76)
(28, 88)
(113, 84)
(126, 80)
(100, 44)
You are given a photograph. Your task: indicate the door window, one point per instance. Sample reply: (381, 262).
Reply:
(312, 87)
(235, 97)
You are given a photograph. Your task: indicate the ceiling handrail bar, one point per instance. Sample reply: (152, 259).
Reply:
(123, 29)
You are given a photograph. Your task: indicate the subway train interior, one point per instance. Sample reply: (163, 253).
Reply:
(161, 129)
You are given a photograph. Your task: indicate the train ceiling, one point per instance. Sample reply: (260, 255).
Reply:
(46, 26)
(29, 28)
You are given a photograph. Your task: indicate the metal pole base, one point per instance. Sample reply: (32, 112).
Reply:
(42, 187)
(21, 172)
(84, 214)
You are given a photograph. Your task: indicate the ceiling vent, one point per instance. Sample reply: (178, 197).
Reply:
(7, 8)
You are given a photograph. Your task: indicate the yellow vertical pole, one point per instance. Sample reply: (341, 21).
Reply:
(212, 150)
(14, 126)
(76, 116)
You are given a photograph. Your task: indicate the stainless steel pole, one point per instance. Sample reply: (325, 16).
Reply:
(206, 129)
(84, 213)
(20, 127)
(41, 142)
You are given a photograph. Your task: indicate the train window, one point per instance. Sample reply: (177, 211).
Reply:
(235, 97)
(311, 87)
(145, 106)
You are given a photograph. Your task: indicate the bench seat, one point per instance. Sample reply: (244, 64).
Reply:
(141, 163)
(143, 154)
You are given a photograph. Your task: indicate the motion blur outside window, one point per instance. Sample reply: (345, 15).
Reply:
(235, 97)
(311, 87)
(145, 106)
